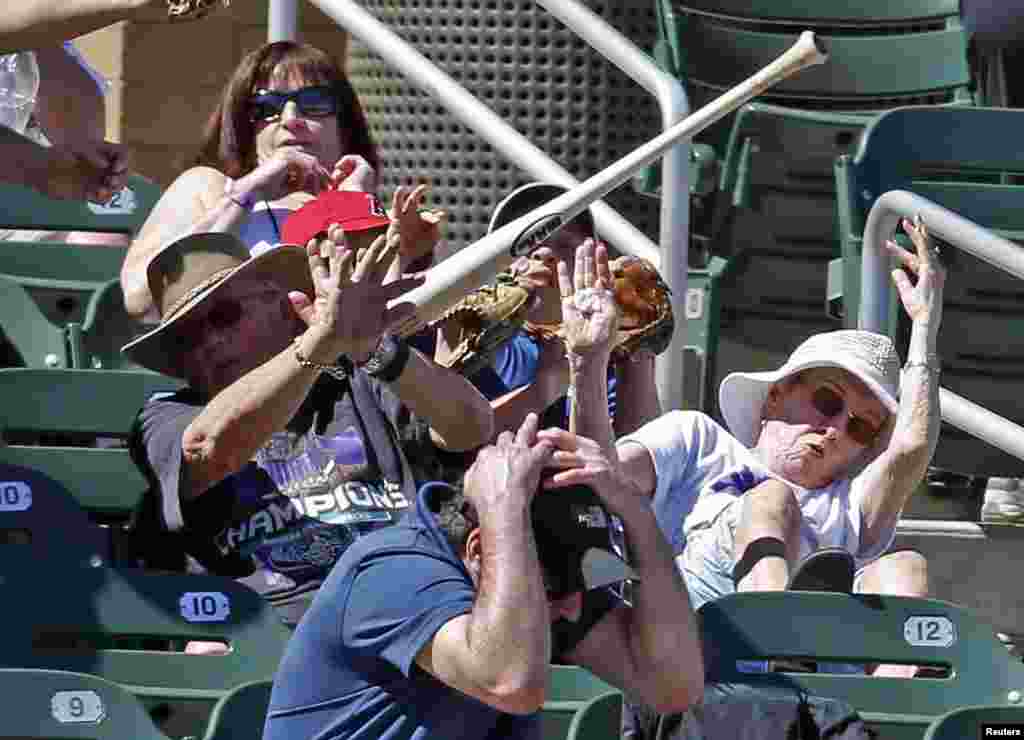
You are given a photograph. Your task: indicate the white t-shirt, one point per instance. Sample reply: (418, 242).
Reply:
(691, 452)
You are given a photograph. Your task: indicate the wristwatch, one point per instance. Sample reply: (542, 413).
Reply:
(388, 360)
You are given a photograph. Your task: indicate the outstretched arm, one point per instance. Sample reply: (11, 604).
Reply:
(346, 317)
(34, 24)
(891, 479)
(499, 652)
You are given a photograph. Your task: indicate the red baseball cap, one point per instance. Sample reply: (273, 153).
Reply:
(353, 211)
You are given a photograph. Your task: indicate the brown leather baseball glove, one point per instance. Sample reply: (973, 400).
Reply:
(191, 10)
(646, 321)
(482, 321)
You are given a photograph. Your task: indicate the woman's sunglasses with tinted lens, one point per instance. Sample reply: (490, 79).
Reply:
(828, 403)
(319, 101)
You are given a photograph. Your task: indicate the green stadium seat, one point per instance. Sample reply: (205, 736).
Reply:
(36, 340)
(131, 627)
(54, 419)
(966, 159)
(598, 719)
(40, 518)
(966, 722)
(569, 689)
(772, 211)
(241, 713)
(61, 278)
(862, 629)
(63, 705)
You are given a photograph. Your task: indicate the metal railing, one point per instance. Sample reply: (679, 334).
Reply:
(882, 220)
(671, 257)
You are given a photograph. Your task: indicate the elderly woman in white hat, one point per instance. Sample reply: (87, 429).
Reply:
(820, 456)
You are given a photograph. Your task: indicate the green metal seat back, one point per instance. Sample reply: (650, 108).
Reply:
(24, 208)
(82, 406)
(93, 620)
(968, 160)
(967, 722)
(839, 13)
(952, 155)
(863, 71)
(241, 713)
(862, 629)
(570, 687)
(877, 51)
(107, 327)
(598, 719)
(85, 402)
(40, 520)
(59, 276)
(35, 339)
(63, 705)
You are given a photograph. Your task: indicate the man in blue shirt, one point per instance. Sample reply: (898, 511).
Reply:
(445, 624)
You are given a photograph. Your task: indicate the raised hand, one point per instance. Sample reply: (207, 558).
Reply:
(349, 309)
(538, 274)
(589, 314)
(581, 460)
(420, 231)
(353, 172)
(506, 475)
(922, 277)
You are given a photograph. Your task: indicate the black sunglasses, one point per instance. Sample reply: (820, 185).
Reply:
(318, 101)
(828, 403)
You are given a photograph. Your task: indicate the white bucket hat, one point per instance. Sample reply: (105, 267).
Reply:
(869, 356)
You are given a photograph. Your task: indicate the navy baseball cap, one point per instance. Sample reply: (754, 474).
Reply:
(575, 541)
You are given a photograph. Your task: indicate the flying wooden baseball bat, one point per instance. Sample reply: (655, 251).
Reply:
(469, 268)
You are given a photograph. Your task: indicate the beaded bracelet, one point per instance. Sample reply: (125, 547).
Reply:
(335, 371)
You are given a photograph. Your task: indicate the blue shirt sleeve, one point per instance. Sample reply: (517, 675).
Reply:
(516, 362)
(399, 600)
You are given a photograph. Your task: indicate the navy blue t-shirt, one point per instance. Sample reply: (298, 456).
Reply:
(350, 670)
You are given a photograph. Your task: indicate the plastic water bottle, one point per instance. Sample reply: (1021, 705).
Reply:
(19, 86)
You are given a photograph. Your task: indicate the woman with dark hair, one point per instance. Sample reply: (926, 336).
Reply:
(288, 126)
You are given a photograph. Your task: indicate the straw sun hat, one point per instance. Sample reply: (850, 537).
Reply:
(869, 356)
(195, 269)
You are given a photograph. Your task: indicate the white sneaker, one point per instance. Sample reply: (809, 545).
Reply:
(1004, 502)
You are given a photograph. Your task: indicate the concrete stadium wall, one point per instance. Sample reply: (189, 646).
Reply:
(165, 79)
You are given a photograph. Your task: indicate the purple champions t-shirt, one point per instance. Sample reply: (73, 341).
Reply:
(284, 519)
